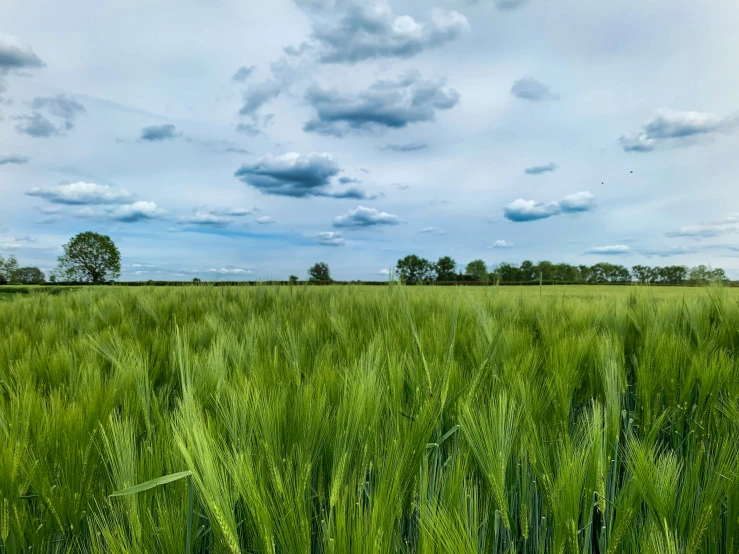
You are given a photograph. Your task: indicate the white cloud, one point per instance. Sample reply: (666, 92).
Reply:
(530, 210)
(365, 217)
(205, 218)
(330, 238)
(369, 29)
(578, 202)
(502, 244)
(230, 271)
(126, 213)
(612, 250)
(264, 220)
(82, 193)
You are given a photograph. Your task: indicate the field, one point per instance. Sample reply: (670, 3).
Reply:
(348, 420)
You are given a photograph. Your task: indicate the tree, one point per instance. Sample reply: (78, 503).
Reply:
(478, 270)
(195, 281)
(672, 275)
(90, 257)
(293, 279)
(7, 269)
(319, 272)
(643, 274)
(507, 273)
(718, 275)
(412, 268)
(527, 272)
(544, 270)
(702, 275)
(28, 276)
(445, 269)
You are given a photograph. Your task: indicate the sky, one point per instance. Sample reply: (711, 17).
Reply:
(232, 140)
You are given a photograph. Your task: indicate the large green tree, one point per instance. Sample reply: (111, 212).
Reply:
(446, 269)
(414, 268)
(90, 257)
(319, 272)
(478, 270)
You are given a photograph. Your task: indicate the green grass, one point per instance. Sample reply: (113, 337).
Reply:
(348, 420)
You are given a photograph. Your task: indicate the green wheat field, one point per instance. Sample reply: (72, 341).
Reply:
(348, 420)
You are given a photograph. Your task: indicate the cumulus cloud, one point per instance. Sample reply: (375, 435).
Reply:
(578, 202)
(13, 159)
(539, 169)
(296, 175)
(531, 210)
(83, 193)
(15, 55)
(154, 133)
(612, 250)
(429, 230)
(243, 73)
(502, 244)
(126, 213)
(264, 220)
(384, 272)
(533, 90)
(409, 147)
(365, 217)
(370, 30)
(669, 127)
(387, 104)
(330, 238)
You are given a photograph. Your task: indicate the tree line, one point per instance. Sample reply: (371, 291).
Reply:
(94, 258)
(413, 268)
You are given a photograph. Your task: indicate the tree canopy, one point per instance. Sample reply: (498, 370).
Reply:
(414, 268)
(90, 257)
(7, 269)
(478, 270)
(319, 272)
(28, 276)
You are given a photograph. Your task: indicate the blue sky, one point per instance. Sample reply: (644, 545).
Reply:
(249, 140)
